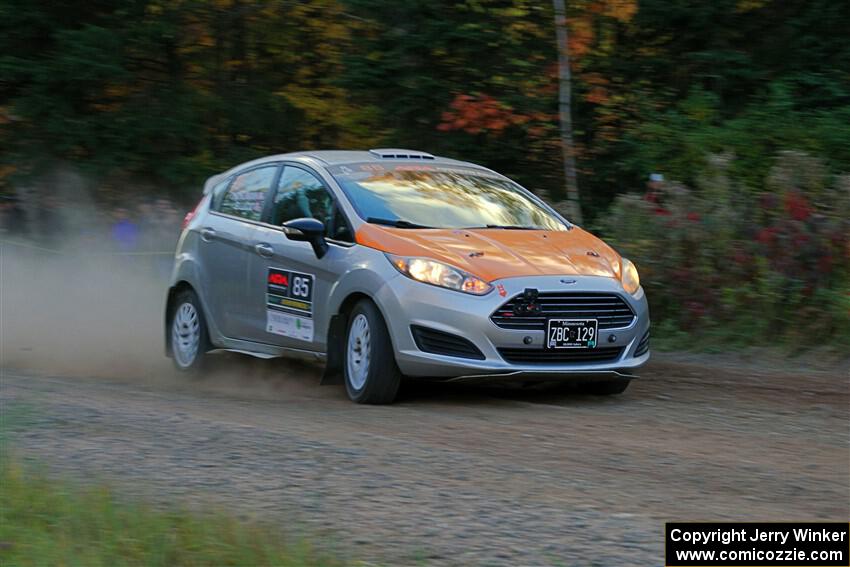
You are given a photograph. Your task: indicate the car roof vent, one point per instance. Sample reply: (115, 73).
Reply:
(398, 153)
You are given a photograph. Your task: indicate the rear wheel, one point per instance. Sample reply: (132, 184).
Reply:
(371, 373)
(605, 387)
(188, 333)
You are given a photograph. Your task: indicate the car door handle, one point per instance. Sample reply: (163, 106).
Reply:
(264, 250)
(207, 234)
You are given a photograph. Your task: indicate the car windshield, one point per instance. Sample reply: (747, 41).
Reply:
(430, 196)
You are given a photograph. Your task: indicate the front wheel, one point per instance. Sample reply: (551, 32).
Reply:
(188, 333)
(371, 373)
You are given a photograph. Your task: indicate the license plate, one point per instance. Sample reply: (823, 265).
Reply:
(571, 333)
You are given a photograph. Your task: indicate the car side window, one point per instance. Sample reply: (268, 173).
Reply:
(301, 194)
(218, 194)
(247, 194)
(338, 228)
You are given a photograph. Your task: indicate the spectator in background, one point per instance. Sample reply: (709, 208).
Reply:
(653, 187)
(654, 193)
(125, 233)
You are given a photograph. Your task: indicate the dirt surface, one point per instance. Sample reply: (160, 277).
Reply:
(455, 475)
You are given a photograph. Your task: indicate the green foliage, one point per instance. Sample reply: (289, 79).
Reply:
(43, 522)
(415, 59)
(173, 91)
(728, 265)
(680, 140)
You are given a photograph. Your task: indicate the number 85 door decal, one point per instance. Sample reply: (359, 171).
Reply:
(289, 303)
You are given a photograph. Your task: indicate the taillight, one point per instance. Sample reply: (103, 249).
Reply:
(191, 214)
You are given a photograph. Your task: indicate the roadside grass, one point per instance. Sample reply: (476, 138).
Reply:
(717, 340)
(48, 522)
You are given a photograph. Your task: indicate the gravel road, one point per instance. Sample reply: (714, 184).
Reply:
(455, 475)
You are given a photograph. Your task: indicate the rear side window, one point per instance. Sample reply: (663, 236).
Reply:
(218, 194)
(247, 194)
(301, 194)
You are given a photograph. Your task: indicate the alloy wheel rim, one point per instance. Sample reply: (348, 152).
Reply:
(185, 335)
(359, 352)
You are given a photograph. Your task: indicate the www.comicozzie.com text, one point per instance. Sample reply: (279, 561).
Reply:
(726, 536)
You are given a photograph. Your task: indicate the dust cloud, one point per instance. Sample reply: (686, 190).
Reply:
(82, 311)
(83, 295)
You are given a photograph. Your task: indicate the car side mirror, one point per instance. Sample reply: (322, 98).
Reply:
(307, 230)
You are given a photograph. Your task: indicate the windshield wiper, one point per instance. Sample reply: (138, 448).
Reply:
(511, 227)
(395, 223)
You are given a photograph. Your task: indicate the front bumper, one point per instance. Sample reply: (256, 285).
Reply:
(406, 302)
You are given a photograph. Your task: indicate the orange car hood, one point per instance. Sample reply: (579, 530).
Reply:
(493, 254)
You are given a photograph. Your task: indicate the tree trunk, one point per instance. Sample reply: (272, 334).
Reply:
(565, 112)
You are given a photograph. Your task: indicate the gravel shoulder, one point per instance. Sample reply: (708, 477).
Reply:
(455, 475)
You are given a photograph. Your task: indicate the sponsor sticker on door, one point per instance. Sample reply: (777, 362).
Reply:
(289, 304)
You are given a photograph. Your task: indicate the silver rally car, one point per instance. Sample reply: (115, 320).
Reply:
(390, 263)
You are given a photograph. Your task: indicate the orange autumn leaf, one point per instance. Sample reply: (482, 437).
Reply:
(581, 36)
(597, 95)
(476, 114)
(622, 10)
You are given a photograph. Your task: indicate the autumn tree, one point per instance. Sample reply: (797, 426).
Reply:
(171, 91)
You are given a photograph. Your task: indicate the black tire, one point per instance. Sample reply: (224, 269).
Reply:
(382, 377)
(188, 296)
(605, 387)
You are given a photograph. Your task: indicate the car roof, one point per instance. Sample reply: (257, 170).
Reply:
(338, 157)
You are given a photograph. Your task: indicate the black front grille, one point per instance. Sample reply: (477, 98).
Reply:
(643, 345)
(559, 356)
(609, 309)
(438, 342)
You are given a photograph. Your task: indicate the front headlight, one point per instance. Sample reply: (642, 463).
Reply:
(439, 274)
(629, 277)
